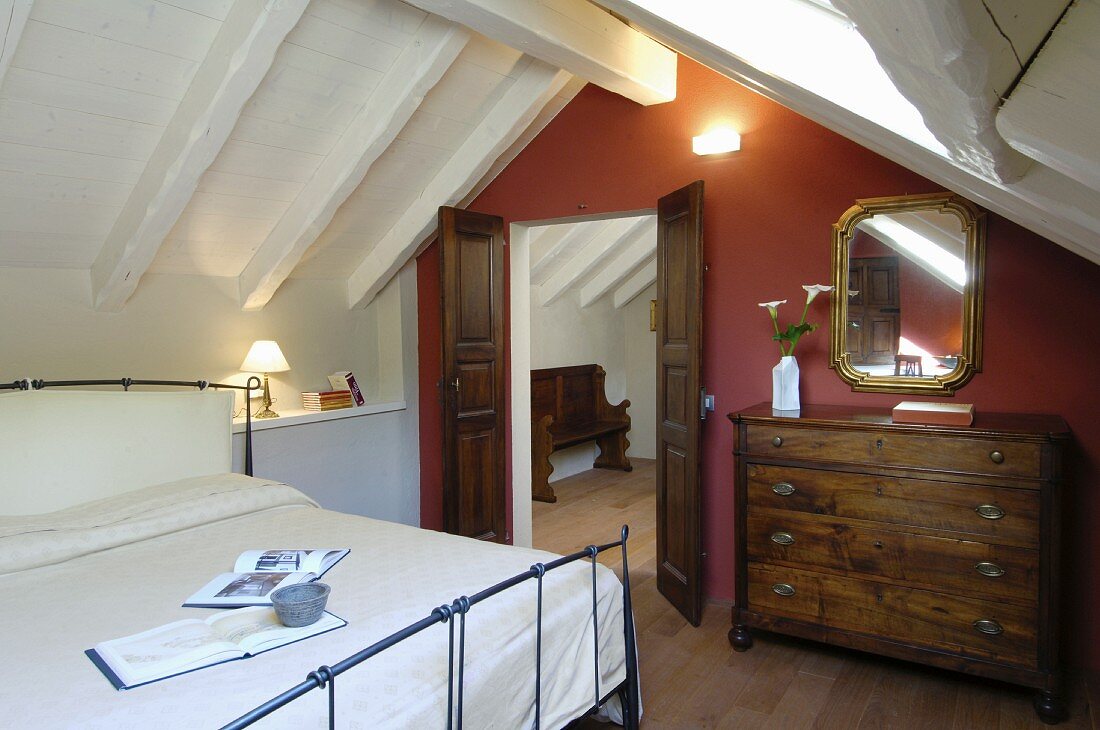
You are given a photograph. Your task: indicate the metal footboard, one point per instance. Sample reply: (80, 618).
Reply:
(324, 677)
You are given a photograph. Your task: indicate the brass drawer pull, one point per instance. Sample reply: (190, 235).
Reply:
(988, 626)
(997, 457)
(990, 570)
(989, 511)
(783, 538)
(783, 589)
(777, 441)
(783, 489)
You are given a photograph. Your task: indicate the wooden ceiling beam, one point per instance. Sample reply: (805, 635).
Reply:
(613, 237)
(574, 35)
(13, 19)
(557, 240)
(416, 70)
(635, 285)
(642, 248)
(985, 46)
(238, 60)
(505, 122)
(1054, 111)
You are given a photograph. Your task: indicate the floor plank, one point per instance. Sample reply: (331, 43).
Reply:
(691, 677)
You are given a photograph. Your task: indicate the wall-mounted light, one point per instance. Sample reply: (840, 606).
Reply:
(716, 141)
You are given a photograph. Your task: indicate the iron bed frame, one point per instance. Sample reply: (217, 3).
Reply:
(324, 677)
(127, 383)
(628, 690)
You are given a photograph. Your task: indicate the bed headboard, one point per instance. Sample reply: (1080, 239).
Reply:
(61, 448)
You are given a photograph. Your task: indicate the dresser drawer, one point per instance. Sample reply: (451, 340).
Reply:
(893, 448)
(962, 567)
(906, 615)
(898, 501)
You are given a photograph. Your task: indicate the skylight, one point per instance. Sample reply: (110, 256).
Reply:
(808, 43)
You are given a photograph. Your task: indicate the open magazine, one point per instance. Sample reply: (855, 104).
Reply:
(184, 646)
(258, 572)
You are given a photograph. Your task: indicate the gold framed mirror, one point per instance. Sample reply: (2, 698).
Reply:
(909, 274)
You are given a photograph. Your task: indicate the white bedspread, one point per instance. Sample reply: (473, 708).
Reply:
(84, 581)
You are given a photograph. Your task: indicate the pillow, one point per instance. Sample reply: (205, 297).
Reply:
(32, 541)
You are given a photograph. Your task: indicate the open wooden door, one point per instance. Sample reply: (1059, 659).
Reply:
(679, 395)
(471, 252)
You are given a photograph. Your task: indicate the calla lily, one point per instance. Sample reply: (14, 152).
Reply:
(812, 290)
(794, 331)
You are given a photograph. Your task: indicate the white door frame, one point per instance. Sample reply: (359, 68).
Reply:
(519, 273)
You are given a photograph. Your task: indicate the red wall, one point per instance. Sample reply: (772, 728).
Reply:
(430, 371)
(767, 221)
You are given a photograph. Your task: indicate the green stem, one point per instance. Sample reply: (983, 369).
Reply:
(805, 311)
(775, 324)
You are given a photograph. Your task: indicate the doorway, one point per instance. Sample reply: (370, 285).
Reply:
(548, 301)
(674, 265)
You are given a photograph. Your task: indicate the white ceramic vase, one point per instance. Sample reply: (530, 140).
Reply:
(785, 384)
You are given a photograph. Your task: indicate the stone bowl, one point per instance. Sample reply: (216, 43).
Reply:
(301, 604)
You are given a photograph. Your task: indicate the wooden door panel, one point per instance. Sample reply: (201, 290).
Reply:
(679, 379)
(476, 456)
(676, 310)
(883, 338)
(476, 390)
(856, 285)
(472, 303)
(853, 342)
(475, 265)
(676, 397)
(676, 555)
(882, 286)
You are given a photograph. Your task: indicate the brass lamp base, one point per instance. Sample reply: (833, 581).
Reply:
(266, 411)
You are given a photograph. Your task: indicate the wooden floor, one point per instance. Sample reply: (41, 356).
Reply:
(691, 678)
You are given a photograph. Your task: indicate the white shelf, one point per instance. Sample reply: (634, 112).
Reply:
(299, 417)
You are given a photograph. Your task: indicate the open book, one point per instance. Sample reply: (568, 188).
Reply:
(184, 646)
(258, 572)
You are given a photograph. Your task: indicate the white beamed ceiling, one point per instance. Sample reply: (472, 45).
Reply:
(592, 259)
(88, 90)
(90, 109)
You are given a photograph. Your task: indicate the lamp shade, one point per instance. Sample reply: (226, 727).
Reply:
(265, 357)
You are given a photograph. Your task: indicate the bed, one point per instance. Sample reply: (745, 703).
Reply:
(122, 559)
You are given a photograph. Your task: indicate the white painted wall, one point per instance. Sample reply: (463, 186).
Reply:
(191, 327)
(641, 374)
(564, 333)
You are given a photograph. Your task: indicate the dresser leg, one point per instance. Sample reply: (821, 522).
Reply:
(1049, 707)
(740, 637)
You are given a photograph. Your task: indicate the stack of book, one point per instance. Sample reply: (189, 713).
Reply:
(329, 400)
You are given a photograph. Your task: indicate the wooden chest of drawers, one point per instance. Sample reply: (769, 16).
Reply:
(936, 544)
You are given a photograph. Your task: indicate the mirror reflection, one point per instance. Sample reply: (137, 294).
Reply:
(906, 277)
(907, 316)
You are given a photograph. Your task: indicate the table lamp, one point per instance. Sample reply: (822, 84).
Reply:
(265, 357)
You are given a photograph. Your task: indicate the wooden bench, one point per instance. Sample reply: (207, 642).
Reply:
(569, 407)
